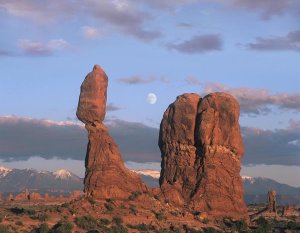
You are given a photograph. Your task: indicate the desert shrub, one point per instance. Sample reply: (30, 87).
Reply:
(134, 195)
(132, 209)
(210, 230)
(293, 225)
(17, 210)
(159, 215)
(240, 226)
(19, 223)
(117, 221)
(141, 227)
(110, 200)
(42, 217)
(263, 225)
(104, 221)
(109, 207)
(44, 228)
(117, 229)
(62, 227)
(205, 220)
(65, 205)
(91, 200)
(4, 229)
(86, 222)
(30, 211)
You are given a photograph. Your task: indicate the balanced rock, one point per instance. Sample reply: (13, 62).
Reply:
(201, 149)
(106, 175)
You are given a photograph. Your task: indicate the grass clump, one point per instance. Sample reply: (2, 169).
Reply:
(86, 222)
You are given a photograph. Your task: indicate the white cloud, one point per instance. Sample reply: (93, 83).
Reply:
(38, 48)
(91, 32)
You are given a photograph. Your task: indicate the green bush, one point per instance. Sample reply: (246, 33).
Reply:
(117, 221)
(132, 210)
(104, 221)
(117, 229)
(159, 215)
(62, 227)
(4, 229)
(19, 223)
(86, 222)
(142, 227)
(109, 207)
(293, 225)
(134, 195)
(263, 225)
(91, 200)
(1, 217)
(240, 226)
(44, 228)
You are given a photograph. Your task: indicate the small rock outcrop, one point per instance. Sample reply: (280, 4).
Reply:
(106, 175)
(271, 205)
(201, 147)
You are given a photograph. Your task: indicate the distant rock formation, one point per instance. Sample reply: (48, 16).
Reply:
(23, 196)
(201, 149)
(106, 175)
(271, 205)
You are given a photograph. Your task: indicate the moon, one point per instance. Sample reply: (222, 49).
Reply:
(151, 98)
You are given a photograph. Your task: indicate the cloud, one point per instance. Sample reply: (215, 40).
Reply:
(252, 101)
(167, 4)
(199, 44)
(289, 42)
(278, 147)
(111, 107)
(192, 80)
(37, 48)
(38, 11)
(132, 80)
(184, 25)
(91, 32)
(5, 53)
(124, 16)
(22, 138)
(269, 8)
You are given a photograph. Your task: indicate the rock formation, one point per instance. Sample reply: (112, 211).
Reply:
(201, 148)
(106, 175)
(180, 164)
(271, 205)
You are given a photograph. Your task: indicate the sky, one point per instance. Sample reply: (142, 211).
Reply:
(248, 48)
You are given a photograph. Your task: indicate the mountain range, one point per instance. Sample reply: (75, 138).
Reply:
(64, 182)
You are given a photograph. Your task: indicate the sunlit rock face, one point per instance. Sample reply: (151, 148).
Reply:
(201, 148)
(105, 176)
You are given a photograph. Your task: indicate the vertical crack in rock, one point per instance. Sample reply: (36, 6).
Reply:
(201, 147)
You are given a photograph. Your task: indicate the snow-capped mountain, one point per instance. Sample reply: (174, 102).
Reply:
(4, 171)
(153, 173)
(62, 174)
(58, 182)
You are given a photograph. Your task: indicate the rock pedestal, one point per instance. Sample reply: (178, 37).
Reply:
(271, 205)
(106, 175)
(201, 148)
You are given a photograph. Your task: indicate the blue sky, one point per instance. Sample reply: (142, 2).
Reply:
(249, 48)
